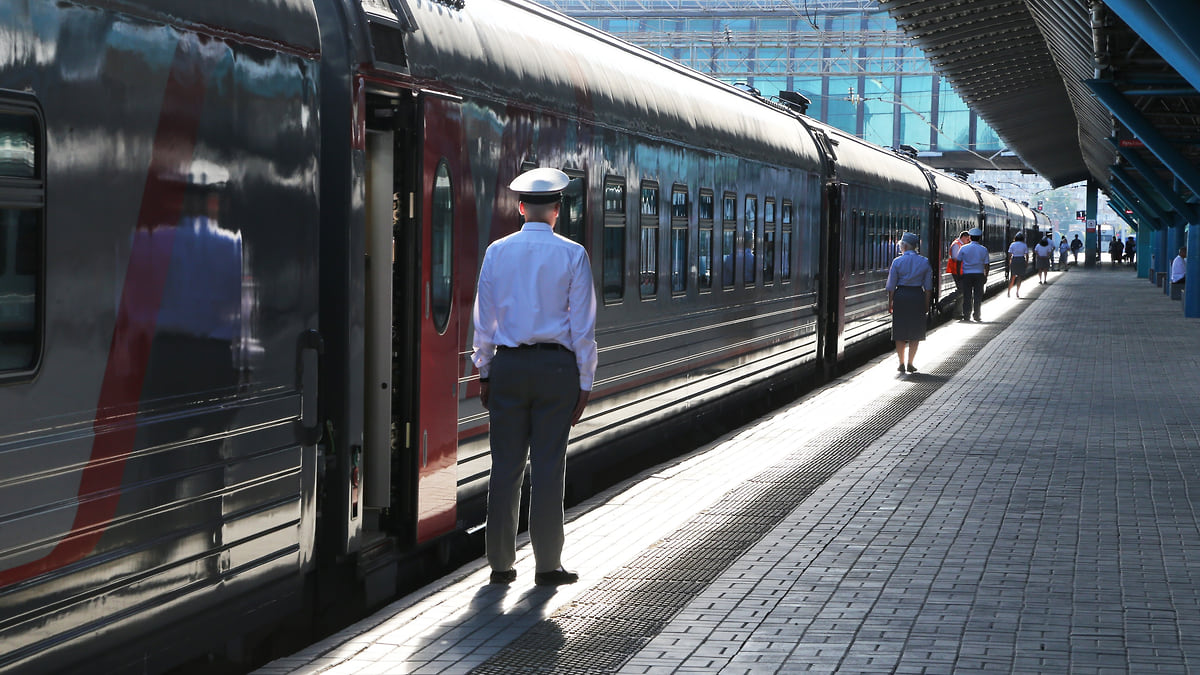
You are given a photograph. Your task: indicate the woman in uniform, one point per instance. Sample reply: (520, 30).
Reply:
(1018, 253)
(909, 284)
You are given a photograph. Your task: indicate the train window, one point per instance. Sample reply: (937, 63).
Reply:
(18, 145)
(441, 270)
(679, 239)
(750, 240)
(728, 239)
(648, 271)
(571, 215)
(705, 240)
(785, 241)
(614, 240)
(22, 201)
(768, 251)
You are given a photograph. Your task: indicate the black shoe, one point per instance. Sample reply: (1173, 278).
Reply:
(900, 369)
(503, 576)
(978, 320)
(557, 577)
(912, 368)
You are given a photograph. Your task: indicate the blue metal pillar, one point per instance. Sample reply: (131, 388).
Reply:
(1154, 141)
(1161, 262)
(1091, 237)
(1144, 226)
(1191, 301)
(1152, 20)
(1172, 249)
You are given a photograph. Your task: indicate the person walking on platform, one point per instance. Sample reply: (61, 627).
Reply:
(1041, 260)
(1018, 254)
(535, 349)
(1076, 247)
(1130, 250)
(954, 267)
(1063, 249)
(1115, 251)
(909, 284)
(974, 258)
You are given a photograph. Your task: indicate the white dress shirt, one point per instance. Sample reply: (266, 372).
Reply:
(1178, 269)
(536, 287)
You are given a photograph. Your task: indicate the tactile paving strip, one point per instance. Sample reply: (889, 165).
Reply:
(609, 623)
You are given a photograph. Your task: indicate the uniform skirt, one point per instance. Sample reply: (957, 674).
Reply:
(1043, 263)
(1017, 269)
(908, 314)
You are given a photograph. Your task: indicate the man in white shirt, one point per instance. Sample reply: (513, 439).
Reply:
(535, 349)
(975, 262)
(1179, 267)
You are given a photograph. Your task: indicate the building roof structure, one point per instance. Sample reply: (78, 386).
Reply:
(1079, 89)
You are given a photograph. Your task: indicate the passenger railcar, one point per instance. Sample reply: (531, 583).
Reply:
(238, 257)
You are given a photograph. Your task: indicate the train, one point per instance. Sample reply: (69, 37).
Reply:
(238, 249)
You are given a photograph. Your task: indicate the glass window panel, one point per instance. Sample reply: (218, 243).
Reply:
(614, 241)
(679, 259)
(843, 111)
(878, 112)
(986, 139)
(706, 206)
(648, 251)
(679, 203)
(649, 261)
(749, 240)
(649, 201)
(954, 120)
(21, 253)
(614, 198)
(915, 92)
(571, 221)
(442, 248)
(728, 239)
(785, 243)
(18, 145)
(768, 245)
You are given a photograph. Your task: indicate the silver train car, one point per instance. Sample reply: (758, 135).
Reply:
(238, 249)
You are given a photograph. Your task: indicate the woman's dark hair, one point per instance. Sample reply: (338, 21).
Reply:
(1020, 237)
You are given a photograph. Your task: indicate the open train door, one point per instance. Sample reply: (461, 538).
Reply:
(442, 186)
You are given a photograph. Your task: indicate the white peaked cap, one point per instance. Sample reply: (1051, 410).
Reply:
(542, 181)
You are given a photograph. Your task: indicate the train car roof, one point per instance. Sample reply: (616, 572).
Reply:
(524, 54)
(954, 190)
(866, 162)
(290, 24)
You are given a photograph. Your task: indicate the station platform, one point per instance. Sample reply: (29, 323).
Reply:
(1022, 504)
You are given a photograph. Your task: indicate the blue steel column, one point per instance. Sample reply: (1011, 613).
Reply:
(1091, 237)
(1191, 299)
(1162, 264)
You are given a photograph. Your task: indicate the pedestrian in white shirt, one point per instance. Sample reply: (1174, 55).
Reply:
(1018, 254)
(535, 349)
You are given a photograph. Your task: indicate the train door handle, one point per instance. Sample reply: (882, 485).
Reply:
(308, 361)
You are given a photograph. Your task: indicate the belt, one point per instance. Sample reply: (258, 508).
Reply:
(548, 346)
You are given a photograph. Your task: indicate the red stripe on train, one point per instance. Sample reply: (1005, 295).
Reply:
(115, 426)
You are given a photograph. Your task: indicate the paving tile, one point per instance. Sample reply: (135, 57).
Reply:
(1033, 514)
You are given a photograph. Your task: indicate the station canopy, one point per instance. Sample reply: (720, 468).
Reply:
(1032, 69)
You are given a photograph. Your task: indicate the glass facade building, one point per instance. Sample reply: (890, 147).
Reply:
(847, 56)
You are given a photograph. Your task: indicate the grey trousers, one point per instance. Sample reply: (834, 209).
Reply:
(533, 393)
